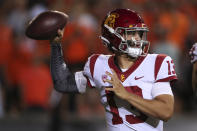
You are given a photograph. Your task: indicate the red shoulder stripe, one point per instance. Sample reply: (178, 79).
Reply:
(158, 63)
(92, 63)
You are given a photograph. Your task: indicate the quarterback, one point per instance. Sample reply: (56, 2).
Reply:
(135, 87)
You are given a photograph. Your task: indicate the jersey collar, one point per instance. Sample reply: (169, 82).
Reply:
(123, 75)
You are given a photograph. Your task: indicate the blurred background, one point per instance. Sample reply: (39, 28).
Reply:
(27, 99)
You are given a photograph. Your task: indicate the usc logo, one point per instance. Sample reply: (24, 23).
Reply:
(110, 21)
(122, 77)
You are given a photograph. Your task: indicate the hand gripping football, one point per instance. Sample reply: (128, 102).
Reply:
(45, 25)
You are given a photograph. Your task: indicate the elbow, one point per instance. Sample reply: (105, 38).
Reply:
(58, 86)
(165, 116)
(65, 86)
(58, 89)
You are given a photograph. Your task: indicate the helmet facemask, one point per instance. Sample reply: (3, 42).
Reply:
(131, 46)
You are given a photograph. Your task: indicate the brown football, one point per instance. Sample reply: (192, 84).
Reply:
(45, 25)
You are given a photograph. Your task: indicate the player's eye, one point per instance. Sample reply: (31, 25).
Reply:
(140, 33)
(131, 33)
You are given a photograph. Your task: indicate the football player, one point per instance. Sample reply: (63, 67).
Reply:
(193, 55)
(134, 86)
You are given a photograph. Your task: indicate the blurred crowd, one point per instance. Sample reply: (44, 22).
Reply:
(25, 81)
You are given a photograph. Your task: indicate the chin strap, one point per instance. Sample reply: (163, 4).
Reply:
(134, 52)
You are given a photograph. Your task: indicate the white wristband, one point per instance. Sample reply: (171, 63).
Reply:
(81, 81)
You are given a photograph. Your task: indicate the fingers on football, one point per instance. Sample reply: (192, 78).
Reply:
(60, 32)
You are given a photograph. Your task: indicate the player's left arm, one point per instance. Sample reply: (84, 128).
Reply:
(161, 107)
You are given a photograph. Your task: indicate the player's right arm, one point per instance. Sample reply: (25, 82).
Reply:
(63, 79)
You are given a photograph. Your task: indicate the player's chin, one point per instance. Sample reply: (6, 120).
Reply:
(125, 55)
(131, 57)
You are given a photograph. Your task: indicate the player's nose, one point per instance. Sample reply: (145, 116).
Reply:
(137, 36)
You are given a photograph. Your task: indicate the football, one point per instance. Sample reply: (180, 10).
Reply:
(45, 25)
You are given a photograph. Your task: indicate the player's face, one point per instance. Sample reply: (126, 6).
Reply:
(133, 36)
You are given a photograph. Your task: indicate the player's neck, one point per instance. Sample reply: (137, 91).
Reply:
(124, 62)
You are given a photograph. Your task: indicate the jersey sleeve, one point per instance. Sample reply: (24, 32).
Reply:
(164, 69)
(88, 71)
(160, 88)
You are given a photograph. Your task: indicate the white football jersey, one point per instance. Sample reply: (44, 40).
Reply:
(139, 79)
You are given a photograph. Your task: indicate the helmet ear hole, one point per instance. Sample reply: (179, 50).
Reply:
(123, 46)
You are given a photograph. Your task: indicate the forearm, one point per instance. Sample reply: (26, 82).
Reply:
(63, 78)
(156, 108)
